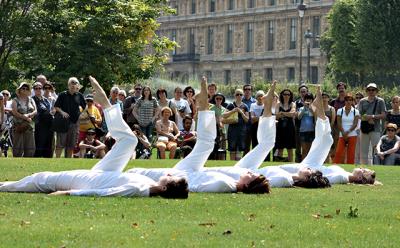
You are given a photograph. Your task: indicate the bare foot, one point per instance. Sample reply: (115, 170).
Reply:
(317, 105)
(268, 98)
(60, 193)
(99, 95)
(202, 97)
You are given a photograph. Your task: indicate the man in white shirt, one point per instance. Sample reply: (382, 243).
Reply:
(192, 165)
(106, 177)
(182, 107)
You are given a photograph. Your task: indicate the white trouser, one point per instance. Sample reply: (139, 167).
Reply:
(125, 142)
(206, 133)
(266, 134)
(321, 145)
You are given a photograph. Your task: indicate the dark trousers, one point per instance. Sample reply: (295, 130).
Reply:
(43, 141)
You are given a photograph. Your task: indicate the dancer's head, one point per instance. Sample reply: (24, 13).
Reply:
(311, 179)
(175, 187)
(363, 176)
(252, 183)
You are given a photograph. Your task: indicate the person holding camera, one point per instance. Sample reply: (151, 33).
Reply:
(91, 147)
(89, 118)
(182, 106)
(142, 150)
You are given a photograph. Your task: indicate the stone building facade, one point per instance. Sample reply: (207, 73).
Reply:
(237, 41)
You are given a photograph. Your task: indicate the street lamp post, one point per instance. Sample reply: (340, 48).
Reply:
(301, 8)
(308, 36)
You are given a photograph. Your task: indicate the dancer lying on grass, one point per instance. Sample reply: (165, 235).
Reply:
(191, 165)
(249, 164)
(106, 177)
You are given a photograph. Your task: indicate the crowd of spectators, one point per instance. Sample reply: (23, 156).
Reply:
(40, 122)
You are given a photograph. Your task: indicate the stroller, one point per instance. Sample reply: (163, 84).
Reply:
(5, 135)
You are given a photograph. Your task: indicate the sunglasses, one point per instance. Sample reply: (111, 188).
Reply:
(247, 89)
(189, 91)
(91, 134)
(74, 83)
(24, 88)
(391, 130)
(286, 94)
(371, 89)
(37, 88)
(47, 88)
(89, 100)
(239, 95)
(358, 97)
(138, 88)
(5, 94)
(218, 99)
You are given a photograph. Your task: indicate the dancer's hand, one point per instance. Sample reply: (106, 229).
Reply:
(202, 97)
(98, 93)
(60, 193)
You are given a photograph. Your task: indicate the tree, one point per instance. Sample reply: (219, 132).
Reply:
(112, 40)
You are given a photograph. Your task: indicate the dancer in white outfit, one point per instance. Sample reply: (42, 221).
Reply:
(191, 166)
(106, 177)
(319, 151)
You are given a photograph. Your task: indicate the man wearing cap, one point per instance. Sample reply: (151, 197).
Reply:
(89, 115)
(90, 147)
(387, 146)
(248, 99)
(372, 110)
(67, 104)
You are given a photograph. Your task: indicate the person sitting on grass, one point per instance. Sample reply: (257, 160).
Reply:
(191, 166)
(167, 134)
(388, 146)
(91, 147)
(106, 177)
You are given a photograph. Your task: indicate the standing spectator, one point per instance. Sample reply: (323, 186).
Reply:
(146, 111)
(2, 115)
(67, 104)
(114, 97)
(248, 100)
(307, 125)
(387, 146)
(127, 112)
(163, 101)
(43, 132)
(182, 107)
(256, 110)
(167, 134)
(122, 96)
(211, 90)
(23, 110)
(189, 94)
(237, 131)
(90, 118)
(347, 121)
(143, 148)
(359, 96)
(338, 103)
(90, 147)
(303, 90)
(6, 101)
(372, 110)
(285, 129)
(187, 138)
(331, 114)
(393, 115)
(47, 93)
(219, 110)
(138, 91)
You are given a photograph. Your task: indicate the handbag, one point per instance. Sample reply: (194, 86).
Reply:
(367, 127)
(21, 127)
(99, 131)
(60, 124)
(232, 119)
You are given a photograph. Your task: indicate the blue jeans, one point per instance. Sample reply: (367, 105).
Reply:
(148, 130)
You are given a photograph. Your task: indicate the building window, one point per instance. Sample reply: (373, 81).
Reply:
(249, 37)
(293, 33)
(231, 4)
(229, 39)
(268, 75)
(209, 76)
(316, 30)
(271, 2)
(314, 74)
(270, 35)
(191, 47)
(193, 7)
(251, 3)
(173, 38)
(212, 5)
(210, 40)
(295, 1)
(290, 74)
(175, 6)
(228, 76)
(247, 76)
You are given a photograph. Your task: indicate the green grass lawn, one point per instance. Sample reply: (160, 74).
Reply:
(289, 217)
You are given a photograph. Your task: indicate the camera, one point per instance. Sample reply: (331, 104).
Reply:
(89, 155)
(182, 109)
